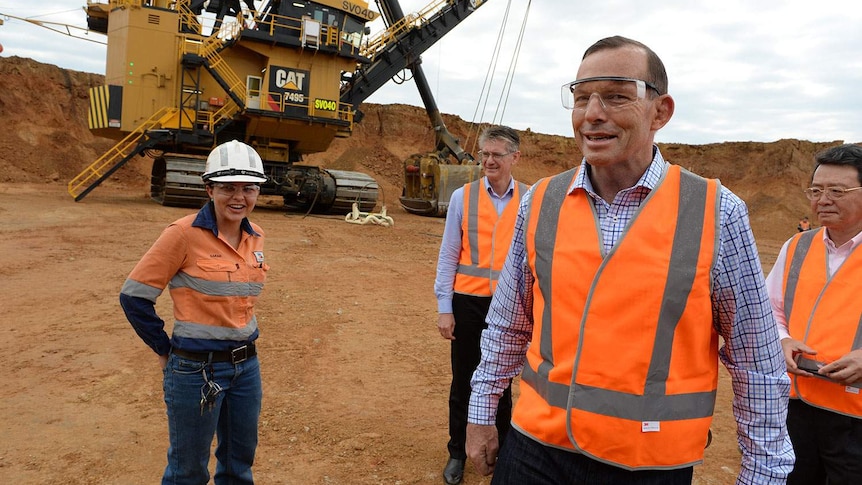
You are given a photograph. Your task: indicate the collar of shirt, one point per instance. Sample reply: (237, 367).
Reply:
(649, 180)
(835, 256)
(849, 245)
(508, 193)
(206, 219)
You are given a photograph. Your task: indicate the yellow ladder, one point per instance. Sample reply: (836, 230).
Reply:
(209, 51)
(229, 109)
(119, 154)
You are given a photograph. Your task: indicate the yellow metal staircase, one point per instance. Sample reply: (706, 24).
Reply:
(236, 87)
(171, 117)
(209, 49)
(187, 18)
(114, 158)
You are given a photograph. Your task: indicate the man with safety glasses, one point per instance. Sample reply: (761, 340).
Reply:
(814, 288)
(623, 274)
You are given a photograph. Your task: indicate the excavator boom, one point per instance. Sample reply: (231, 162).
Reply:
(429, 178)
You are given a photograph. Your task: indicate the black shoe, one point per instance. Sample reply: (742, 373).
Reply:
(454, 471)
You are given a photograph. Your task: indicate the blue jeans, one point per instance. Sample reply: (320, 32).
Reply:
(233, 419)
(524, 461)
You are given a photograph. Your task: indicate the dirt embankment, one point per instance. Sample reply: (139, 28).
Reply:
(45, 111)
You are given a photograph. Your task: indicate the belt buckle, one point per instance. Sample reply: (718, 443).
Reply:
(239, 354)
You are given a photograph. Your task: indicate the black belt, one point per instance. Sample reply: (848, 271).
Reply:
(235, 356)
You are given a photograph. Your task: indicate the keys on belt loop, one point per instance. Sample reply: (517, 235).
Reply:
(209, 390)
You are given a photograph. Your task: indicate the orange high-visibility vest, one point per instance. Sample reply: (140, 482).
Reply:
(826, 314)
(485, 239)
(623, 363)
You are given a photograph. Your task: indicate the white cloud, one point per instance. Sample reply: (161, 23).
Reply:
(739, 70)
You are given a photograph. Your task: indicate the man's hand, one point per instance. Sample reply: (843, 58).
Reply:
(446, 325)
(847, 370)
(791, 348)
(482, 447)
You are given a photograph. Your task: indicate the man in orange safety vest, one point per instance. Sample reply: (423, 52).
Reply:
(814, 288)
(628, 278)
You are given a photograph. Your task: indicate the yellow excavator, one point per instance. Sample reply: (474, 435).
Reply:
(286, 77)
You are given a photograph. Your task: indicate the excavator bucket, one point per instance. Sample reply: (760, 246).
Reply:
(453, 177)
(430, 181)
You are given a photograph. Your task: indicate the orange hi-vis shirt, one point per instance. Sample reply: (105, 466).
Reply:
(485, 239)
(213, 286)
(826, 314)
(623, 362)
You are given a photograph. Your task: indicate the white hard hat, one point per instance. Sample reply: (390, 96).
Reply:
(234, 161)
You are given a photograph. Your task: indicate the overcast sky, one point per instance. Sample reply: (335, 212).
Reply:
(739, 70)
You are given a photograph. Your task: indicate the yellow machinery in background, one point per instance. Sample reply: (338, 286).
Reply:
(286, 77)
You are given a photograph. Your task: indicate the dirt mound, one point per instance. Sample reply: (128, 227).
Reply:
(46, 107)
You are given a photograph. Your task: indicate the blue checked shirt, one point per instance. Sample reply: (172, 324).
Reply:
(741, 314)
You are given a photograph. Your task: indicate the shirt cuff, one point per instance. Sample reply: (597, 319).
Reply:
(444, 305)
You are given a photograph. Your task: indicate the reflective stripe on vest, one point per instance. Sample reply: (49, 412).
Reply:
(201, 331)
(486, 237)
(627, 382)
(826, 314)
(198, 288)
(791, 275)
(231, 289)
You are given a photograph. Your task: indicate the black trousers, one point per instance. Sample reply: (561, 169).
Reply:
(828, 446)
(469, 313)
(524, 461)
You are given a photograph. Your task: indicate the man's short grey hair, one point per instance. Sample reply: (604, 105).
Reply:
(501, 132)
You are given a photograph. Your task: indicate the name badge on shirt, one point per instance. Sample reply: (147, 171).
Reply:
(258, 257)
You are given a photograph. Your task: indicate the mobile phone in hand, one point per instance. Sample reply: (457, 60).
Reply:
(808, 365)
(812, 366)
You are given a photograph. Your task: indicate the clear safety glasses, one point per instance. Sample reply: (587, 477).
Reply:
(231, 189)
(613, 92)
